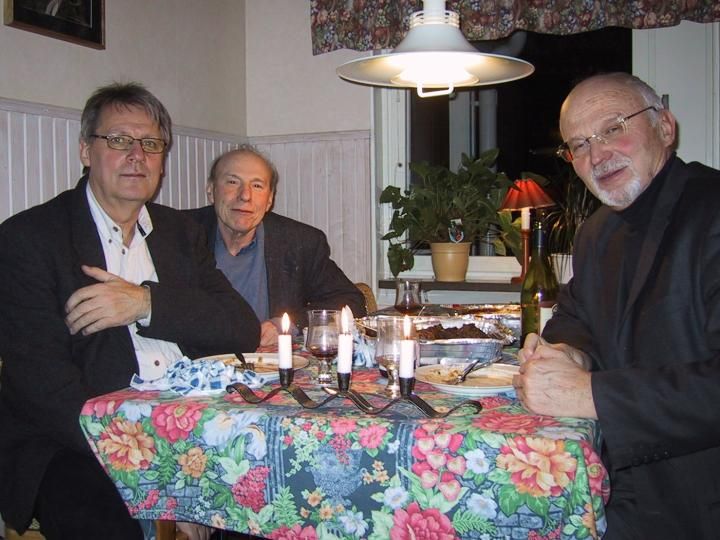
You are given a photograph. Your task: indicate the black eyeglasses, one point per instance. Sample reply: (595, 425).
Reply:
(575, 148)
(125, 142)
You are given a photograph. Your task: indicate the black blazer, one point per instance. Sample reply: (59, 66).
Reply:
(47, 374)
(300, 273)
(656, 354)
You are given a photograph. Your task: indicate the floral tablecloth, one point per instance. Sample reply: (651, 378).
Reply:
(280, 471)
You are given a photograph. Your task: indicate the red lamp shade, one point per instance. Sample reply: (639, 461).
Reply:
(527, 195)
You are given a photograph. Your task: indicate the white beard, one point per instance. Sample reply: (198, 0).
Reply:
(622, 197)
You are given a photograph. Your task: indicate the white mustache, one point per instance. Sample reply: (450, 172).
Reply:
(610, 167)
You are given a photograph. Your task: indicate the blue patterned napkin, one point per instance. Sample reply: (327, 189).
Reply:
(188, 378)
(363, 350)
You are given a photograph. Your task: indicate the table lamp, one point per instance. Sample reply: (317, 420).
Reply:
(526, 195)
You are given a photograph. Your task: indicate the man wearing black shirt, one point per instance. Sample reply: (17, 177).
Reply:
(635, 341)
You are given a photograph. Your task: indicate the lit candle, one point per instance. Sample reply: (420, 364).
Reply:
(407, 352)
(345, 343)
(525, 219)
(285, 344)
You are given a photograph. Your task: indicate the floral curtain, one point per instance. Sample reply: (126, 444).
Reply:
(365, 25)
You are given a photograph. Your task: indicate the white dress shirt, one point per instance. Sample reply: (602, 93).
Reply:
(133, 263)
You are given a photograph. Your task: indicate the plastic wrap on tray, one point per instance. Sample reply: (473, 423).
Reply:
(492, 328)
(471, 349)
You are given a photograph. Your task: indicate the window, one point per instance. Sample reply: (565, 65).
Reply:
(521, 117)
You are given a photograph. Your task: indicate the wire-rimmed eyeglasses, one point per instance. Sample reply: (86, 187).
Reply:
(149, 145)
(575, 148)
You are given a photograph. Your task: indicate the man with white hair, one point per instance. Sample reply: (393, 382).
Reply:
(635, 340)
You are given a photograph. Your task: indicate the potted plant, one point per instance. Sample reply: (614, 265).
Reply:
(444, 203)
(575, 204)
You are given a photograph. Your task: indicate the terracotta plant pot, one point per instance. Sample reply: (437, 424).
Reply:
(449, 260)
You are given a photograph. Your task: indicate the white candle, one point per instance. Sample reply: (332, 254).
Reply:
(285, 344)
(345, 344)
(525, 219)
(406, 368)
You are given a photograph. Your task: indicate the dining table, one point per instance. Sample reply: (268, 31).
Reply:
(279, 470)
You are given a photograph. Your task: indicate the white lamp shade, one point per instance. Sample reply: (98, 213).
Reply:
(434, 54)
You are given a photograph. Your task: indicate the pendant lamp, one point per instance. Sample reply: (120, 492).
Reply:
(434, 55)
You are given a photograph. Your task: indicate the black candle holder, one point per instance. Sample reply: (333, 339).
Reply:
(343, 380)
(295, 391)
(343, 391)
(286, 376)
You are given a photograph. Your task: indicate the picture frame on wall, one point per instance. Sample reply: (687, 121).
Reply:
(77, 21)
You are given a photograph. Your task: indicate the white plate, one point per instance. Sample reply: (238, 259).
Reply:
(265, 363)
(488, 381)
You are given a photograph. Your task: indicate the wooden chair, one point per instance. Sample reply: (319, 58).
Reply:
(370, 302)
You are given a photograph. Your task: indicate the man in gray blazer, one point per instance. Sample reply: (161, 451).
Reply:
(635, 341)
(276, 263)
(95, 285)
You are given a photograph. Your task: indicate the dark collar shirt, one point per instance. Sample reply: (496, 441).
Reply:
(246, 271)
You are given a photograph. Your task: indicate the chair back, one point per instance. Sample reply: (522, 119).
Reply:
(369, 295)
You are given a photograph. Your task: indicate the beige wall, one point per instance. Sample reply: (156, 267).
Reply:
(288, 89)
(190, 53)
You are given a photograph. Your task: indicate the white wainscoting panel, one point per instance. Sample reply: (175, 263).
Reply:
(325, 182)
(324, 178)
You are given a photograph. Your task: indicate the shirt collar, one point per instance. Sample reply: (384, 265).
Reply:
(107, 227)
(637, 214)
(257, 239)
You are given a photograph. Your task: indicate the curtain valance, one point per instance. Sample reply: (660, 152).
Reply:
(365, 25)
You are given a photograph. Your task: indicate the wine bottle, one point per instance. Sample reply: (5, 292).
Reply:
(540, 287)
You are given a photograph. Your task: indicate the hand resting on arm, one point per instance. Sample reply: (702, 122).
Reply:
(109, 303)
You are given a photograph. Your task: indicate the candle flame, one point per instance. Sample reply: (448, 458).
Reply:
(407, 325)
(285, 324)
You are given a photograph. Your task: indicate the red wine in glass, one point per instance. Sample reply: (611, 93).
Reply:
(409, 308)
(407, 297)
(325, 353)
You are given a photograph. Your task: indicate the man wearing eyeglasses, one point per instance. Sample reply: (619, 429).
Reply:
(95, 285)
(635, 341)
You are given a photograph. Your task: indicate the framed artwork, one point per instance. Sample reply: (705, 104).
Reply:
(76, 21)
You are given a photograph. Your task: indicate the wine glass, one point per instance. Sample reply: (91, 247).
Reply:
(322, 340)
(407, 297)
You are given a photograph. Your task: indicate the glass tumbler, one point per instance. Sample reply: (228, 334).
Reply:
(387, 351)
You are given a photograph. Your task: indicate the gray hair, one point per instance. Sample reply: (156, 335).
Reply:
(124, 95)
(253, 151)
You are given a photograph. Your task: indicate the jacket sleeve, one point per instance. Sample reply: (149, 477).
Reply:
(320, 282)
(197, 307)
(43, 386)
(570, 322)
(664, 405)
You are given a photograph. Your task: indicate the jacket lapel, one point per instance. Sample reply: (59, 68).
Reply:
(273, 262)
(88, 250)
(85, 238)
(668, 198)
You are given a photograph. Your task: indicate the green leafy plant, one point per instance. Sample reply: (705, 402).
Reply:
(426, 211)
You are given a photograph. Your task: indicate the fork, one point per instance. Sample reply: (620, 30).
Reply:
(245, 364)
(473, 366)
